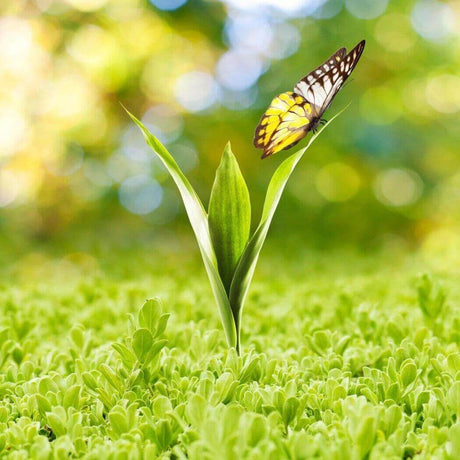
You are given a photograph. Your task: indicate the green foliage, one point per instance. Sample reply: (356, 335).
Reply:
(222, 236)
(247, 264)
(323, 378)
(199, 222)
(229, 215)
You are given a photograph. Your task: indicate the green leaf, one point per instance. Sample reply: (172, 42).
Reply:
(229, 215)
(90, 381)
(453, 398)
(111, 377)
(142, 343)
(290, 410)
(161, 325)
(199, 222)
(149, 314)
(56, 423)
(393, 416)
(248, 261)
(161, 406)
(4, 414)
(119, 420)
(431, 296)
(196, 410)
(163, 434)
(393, 392)
(365, 437)
(72, 397)
(322, 339)
(257, 430)
(408, 373)
(43, 404)
(125, 353)
(422, 398)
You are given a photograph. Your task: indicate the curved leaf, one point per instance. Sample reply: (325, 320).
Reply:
(248, 261)
(199, 221)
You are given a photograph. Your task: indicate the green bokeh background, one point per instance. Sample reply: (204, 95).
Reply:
(199, 73)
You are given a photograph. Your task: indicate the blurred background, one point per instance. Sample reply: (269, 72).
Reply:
(198, 73)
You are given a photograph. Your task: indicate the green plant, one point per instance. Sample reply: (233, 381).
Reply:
(85, 373)
(229, 253)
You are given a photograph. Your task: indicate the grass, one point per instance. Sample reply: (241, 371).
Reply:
(344, 356)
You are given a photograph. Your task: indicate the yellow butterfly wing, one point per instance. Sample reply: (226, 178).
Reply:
(285, 123)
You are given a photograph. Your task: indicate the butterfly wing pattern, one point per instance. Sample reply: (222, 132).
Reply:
(292, 115)
(283, 124)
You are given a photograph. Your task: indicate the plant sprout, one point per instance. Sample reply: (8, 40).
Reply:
(228, 250)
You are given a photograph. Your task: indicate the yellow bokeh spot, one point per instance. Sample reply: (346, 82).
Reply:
(13, 130)
(394, 32)
(93, 46)
(398, 187)
(87, 5)
(415, 101)
(443, 93)
(337, 182)
(100, 53)
(440, 248)
(69, 97)
(8, 187)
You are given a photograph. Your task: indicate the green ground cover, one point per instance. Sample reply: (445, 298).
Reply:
(344, 356)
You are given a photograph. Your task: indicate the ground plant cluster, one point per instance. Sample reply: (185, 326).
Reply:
(343, 363)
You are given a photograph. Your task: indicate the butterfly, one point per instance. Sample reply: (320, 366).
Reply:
(292, 115)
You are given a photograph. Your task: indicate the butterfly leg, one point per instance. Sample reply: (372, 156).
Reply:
(323, 121)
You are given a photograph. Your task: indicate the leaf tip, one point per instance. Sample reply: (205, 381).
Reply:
(125, 109)
(228, 150)
(227, 154)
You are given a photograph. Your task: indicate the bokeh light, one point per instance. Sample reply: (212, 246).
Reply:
(433, 20)
(168, 209)
(13, 129)
(393, 31)
(96, 171)
(168, 5)
(199, 75)
(87, 5)
(16, 44)
(140, 194)
(238, 70)
(398, 187)
(238, 100)
(196, 91)
(328, 9)
(249, 32)
(185, 154)
(133, 145)
(164, 122)
(285, 41)
(9, 187)
(66, 162)
(290, 8)
(337, 182)
(366, 9)
(443, 93)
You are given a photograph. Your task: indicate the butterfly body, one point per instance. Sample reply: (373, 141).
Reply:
(292, 114)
